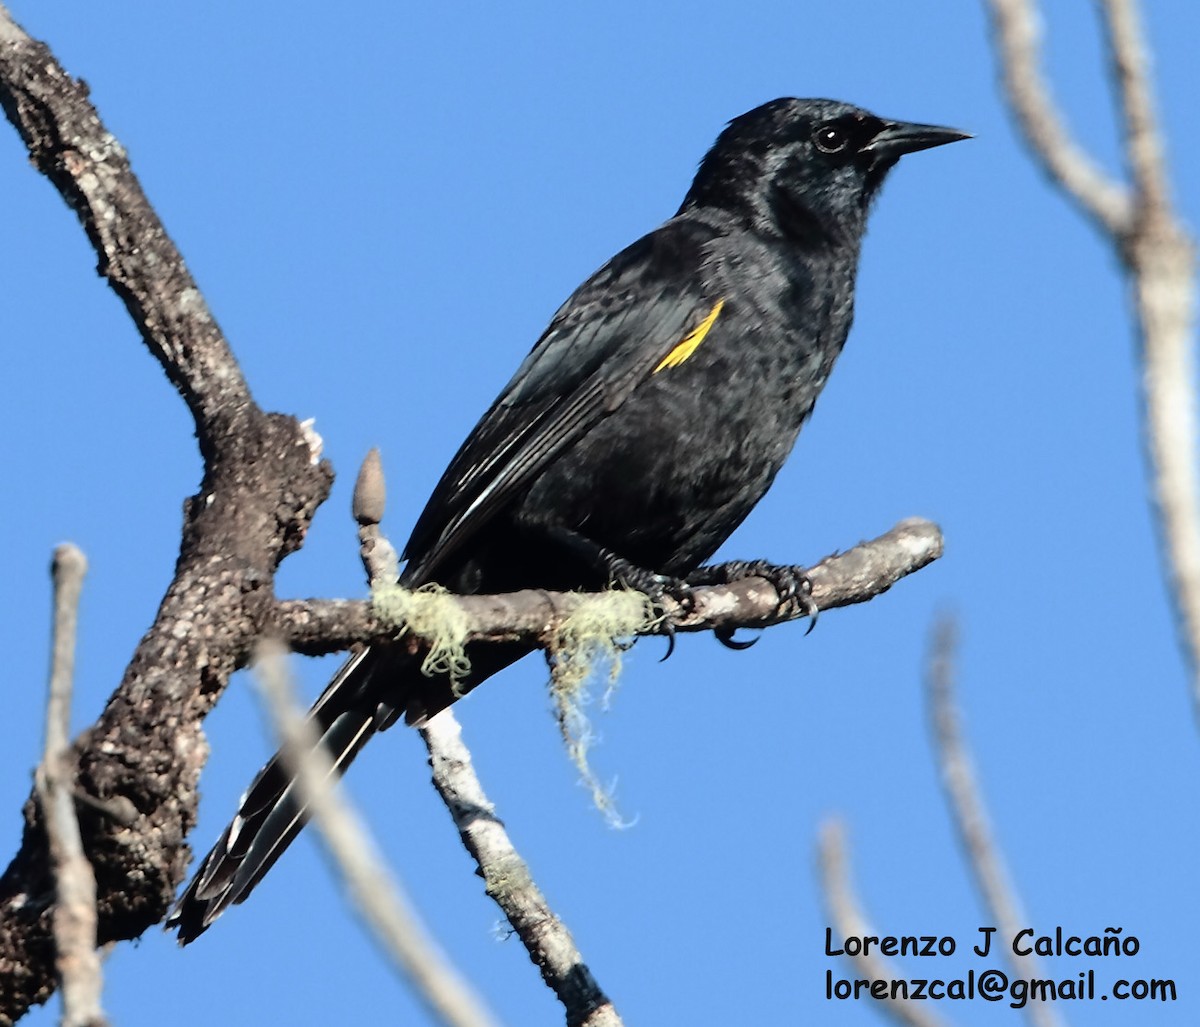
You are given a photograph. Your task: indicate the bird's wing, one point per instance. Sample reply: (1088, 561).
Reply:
(638, 314)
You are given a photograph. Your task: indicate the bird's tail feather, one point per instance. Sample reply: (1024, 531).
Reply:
(345, 716)
(369, 693)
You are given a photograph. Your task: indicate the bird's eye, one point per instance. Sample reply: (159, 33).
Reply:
(831, 138)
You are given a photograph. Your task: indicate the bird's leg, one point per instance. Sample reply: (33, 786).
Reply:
(656, 586)
(621, 571)
(791, 583)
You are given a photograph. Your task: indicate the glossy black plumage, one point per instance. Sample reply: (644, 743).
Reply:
(644, 425)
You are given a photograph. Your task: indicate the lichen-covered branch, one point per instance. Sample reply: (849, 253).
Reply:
(317, 626)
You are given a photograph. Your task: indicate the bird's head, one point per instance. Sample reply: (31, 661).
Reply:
(806, 169)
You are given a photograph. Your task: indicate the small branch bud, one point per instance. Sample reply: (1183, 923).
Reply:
(370, 490)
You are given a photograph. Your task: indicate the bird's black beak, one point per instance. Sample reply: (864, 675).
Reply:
(897, 138)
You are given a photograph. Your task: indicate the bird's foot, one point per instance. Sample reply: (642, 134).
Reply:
(656, 587)
(791, 584)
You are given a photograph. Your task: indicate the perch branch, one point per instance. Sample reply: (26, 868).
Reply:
(318, 626)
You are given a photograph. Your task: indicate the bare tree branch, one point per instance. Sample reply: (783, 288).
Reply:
(318, 626)
(508, 879)
(262, 484)
(970, 816)
(75, 886)
(845, 911)
(381, 902)
(1159, 257)
(70, 146)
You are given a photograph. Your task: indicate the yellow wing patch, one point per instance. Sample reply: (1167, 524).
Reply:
(692, 341)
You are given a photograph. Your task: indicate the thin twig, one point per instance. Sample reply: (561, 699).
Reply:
(1016, 31)
(1131, 67)
(380, 900)
(75, 884)
(970, 815)
(845, 911)
(508, 880)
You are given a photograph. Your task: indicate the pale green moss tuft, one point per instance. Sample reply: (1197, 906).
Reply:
(432, 614)
(597, 632)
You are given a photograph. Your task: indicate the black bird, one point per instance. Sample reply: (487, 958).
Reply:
(644, 425)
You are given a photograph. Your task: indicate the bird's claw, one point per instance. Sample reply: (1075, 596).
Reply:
(791, 584)
(808, 604)
(668, 629)
(656, 587)
(794, 586)
(725, 634)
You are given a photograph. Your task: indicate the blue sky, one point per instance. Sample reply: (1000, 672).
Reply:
(383, 207)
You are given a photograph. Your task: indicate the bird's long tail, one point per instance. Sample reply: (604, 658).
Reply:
(371, 691)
